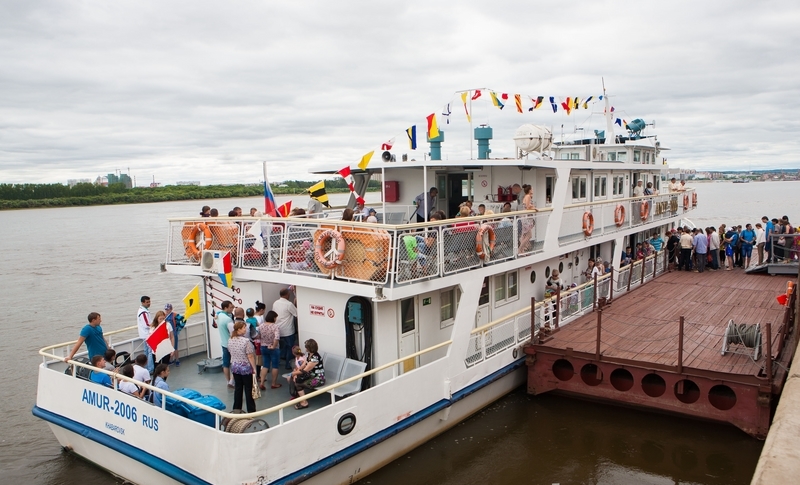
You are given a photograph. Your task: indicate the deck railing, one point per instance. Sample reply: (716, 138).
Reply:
(515, 329)
(379, 254)
(634, 211)
(395, 366)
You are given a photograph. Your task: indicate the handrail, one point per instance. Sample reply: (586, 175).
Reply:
(625, 199)
(501, 320)
(72, 342)
(263, 412)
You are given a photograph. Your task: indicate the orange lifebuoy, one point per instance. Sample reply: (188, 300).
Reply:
(479, 240)
(789, 288)
(192, 251)
(588, 223)
(319, 255)
(694, 199)
(686, 201)
(644, 210)
(619, 215)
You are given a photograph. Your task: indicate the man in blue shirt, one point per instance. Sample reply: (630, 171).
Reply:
(92, 334)
(100, 362)
(700, 244)
(769, 228)
(748, 240)
(225, 323)
(422, 201)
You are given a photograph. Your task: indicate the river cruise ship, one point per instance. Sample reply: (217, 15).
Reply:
(420, 324)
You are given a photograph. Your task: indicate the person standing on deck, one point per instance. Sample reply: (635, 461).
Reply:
(420, 202)
(516, 191)
(769, 228)
(224, 323)
(674, 186)
(731, 237)
(287, 312)
(92, 334)
(638, 191)
(760, 242)
(713, 247)
(686, 251)
(700, 245)
(748, 241)
(143, 324)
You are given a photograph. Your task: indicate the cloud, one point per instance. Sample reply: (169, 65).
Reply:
(204, 91)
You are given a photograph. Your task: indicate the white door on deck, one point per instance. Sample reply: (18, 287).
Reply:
(409, 332)
(482, 315)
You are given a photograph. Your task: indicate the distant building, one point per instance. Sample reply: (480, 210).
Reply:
(120, 179)
(188, 182)
(101, 181)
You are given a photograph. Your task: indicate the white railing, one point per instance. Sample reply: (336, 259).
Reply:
(376, 254)
(394, 366)
(655, 208)
(515, 329)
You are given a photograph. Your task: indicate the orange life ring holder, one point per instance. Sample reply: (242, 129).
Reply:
(644, 210)
(192, 250)
(319, 255)
(588, 223)
(479, 240)
(694, 199)
(685, 201)
(619, 215)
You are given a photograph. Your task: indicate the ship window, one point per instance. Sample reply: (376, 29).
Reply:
(506, 288)
(484, 298)
(448, 307)
(579, 188)
(618, 185)
(564, 156)
(622, 156)
(612, 156)
(548, 189)
(408, 322)
(575, 156)
(637, 156)
(600, 186)
(647, 157)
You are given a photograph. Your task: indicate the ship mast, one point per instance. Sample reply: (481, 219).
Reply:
(609, 120)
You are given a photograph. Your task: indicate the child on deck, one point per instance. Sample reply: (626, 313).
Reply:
(299, 359)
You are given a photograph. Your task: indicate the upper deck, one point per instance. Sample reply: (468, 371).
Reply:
(390, 256)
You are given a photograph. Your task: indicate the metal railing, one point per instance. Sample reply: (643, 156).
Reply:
(395, 366)
(377, 254)
(606, 214)
(515, 329)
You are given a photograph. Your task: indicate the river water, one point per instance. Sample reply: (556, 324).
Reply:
(60, 264)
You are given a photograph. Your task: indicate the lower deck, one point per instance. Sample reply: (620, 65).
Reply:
(669, 334)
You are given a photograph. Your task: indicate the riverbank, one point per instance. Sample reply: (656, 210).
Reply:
(142, 195)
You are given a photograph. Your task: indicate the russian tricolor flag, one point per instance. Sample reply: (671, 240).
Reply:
(269, 199)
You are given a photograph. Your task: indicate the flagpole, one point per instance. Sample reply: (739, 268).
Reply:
(265, 188)
(383, 192)
(261, 235)
(424, 188)
(471, 131)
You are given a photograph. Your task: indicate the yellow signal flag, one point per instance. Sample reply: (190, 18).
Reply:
(365, 160)
(192, 302)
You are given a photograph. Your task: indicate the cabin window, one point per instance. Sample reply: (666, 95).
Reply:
(575, 156)
(564, 156)
(622, 156)
(612, 156)
(647, 157)
(408, 322)
(506, 288)
(549, 183)
(637, 156)
(579, 188)
(484, 298)
(600, 186)
(618, 182)
(448, 307)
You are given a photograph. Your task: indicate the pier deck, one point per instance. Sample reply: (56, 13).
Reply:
(645, 359)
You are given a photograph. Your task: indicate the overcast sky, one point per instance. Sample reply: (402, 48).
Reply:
(198, 90)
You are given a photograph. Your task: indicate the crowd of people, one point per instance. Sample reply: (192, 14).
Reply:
(254, 341)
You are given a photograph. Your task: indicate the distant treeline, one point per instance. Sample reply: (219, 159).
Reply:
(26, 196)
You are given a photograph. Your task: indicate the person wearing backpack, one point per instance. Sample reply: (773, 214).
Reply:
(731, 238)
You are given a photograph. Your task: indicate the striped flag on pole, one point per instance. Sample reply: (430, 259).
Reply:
(269, 199)
(317, 191)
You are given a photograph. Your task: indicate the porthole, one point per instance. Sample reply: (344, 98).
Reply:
(563, 370)
(561, 267)
(346, 423)
(621, 379)
(687, 391)
(577, 261)
(722, 397)
(591, 375)
(653, 385)
(547, 272)
(533, 276)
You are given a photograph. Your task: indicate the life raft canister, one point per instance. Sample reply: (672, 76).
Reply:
(319, 255)
(192, 251)
(479, 240)
(644, 210)
(619, 215)
(685, 201)
(588, 223)
(694, 199)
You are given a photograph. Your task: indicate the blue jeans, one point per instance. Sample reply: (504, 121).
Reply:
(149, 354)
(270, 358)
(226, 358)
(286, 348)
